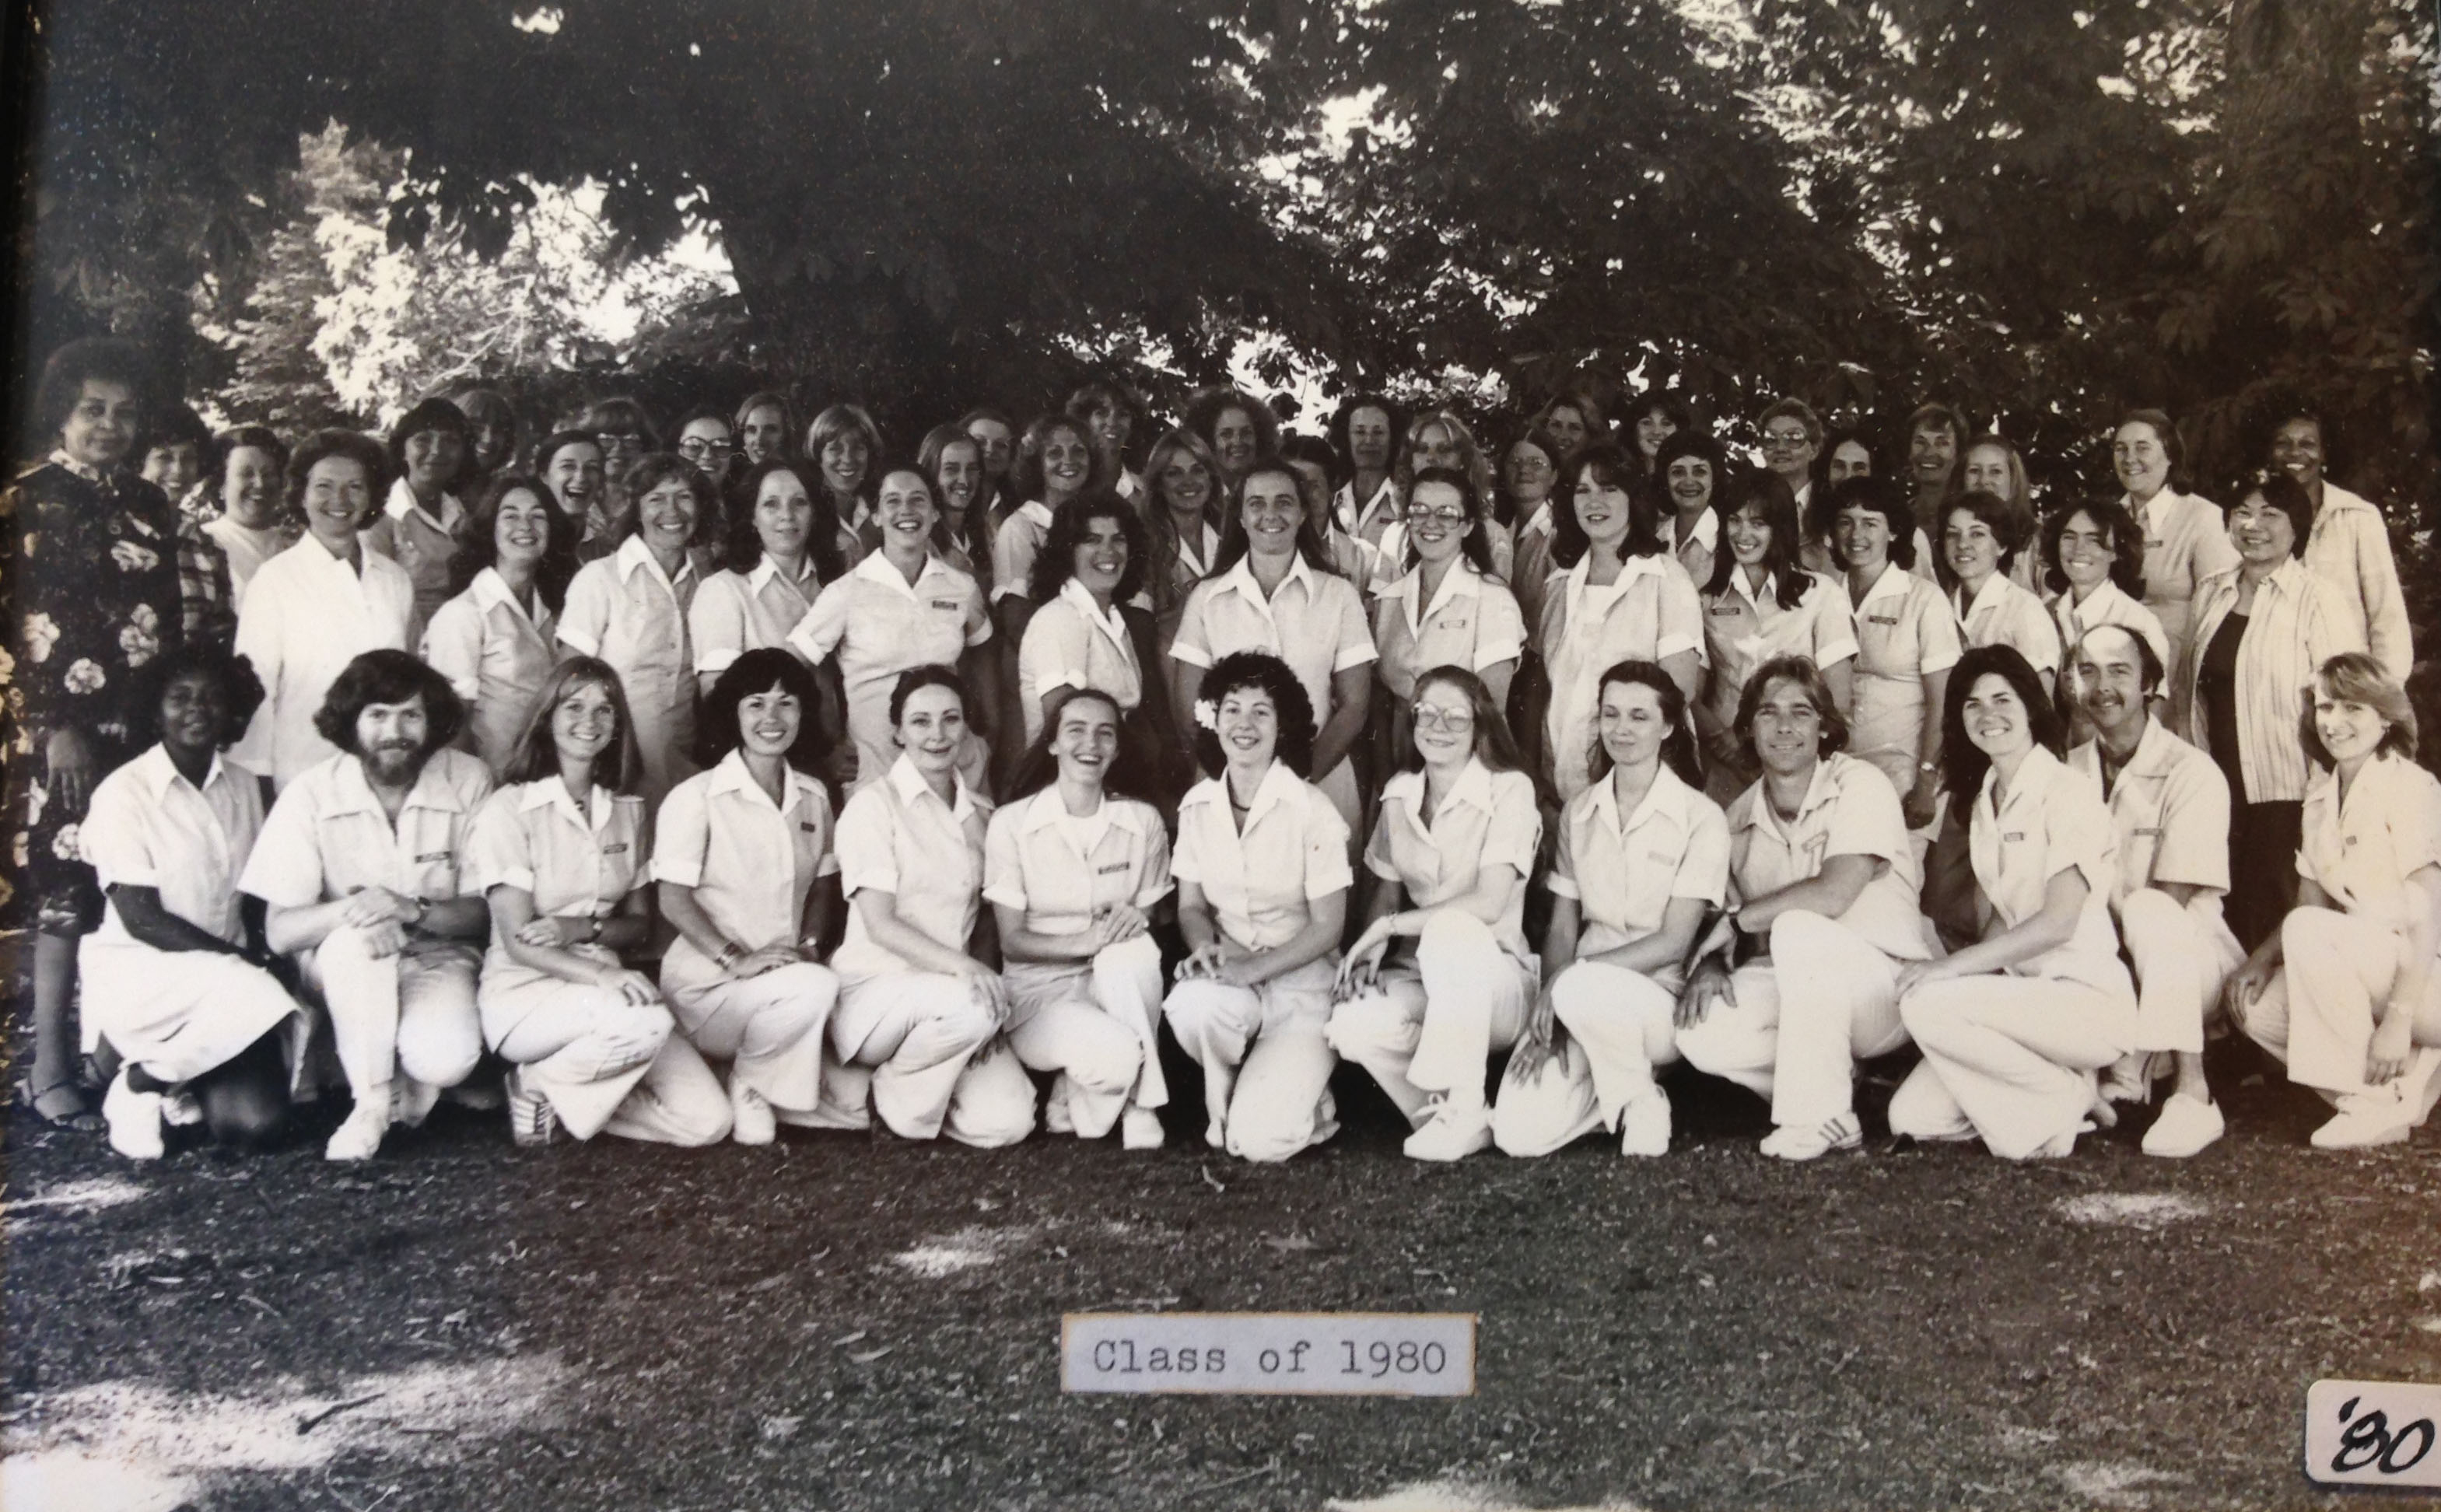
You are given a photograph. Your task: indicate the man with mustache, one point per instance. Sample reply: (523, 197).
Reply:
(2170, 805)
(361, 862)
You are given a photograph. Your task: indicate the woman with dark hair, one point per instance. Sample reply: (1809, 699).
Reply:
(2261, 628)
(1845, 454)
(2093, 558)
(1650, 419)
(763, 426)
(246, 467)
(1091, 633)
(1981, 536)
(1690, 473)
(1273, 589)
(1529, 473)
(1619, 596)
(1312, 460)
(177, 977)
(952, 463)
(1073, 870)
(1803, 980)
(1990, 465)
(1761, 604)
(2351, 541)
(495, 640)
(1181, 522)
(1055, 463)
(627, 436)
(630, 609)
(781, 551)
(315, 606)
(1440, 438)
(1363, 430)
(845, 446)
(743, 854)
(901, 608)
(2185, 540)
(921, 1004)
(491, 438)
(1237, 429)
(996, 434)
(1906, 641)
(1449, 608)
(570, 461)
(1449, 860)
(175, 440)
(706, 439)
(2346, 994)
(588, 1040)
(1643, 856)
(1109, 413)
(1263, 876)
(422, 523)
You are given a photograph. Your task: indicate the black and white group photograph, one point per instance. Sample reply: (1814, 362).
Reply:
(1305, 755)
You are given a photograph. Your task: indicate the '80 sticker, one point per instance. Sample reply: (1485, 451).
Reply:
(2363, 1432)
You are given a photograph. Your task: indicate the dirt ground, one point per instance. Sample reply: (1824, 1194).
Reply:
(849, 1323)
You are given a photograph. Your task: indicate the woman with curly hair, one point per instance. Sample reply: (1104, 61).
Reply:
(1237, 427)
(1440, 438)
(1056, 463)
(1090, 633)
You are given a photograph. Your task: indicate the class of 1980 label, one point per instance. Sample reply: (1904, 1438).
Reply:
(2370, 1432)
(1351, 1354)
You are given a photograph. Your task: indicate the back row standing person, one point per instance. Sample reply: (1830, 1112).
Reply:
(2185, 540)
(421, 522)
(496, 638)
(2350, 542)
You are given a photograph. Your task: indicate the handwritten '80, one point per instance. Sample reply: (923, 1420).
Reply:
(2369, 1432)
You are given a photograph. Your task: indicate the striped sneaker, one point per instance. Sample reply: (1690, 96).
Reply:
(1799, 1142)
(531, 1121)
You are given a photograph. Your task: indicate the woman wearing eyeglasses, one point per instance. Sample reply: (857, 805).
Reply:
(1448, 610)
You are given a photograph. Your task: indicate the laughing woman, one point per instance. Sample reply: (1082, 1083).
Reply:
(1091, 634)
(1263, 878)
(1759, 604)
(1981, 537)
(494, 639)
(1055, 463)
(1442, 977)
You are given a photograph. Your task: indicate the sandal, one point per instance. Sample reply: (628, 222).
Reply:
(82, 1119)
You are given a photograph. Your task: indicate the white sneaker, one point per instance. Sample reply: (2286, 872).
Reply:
(2366, 1120)
(750, 1119)
(360, 1136)
(1325, 1119)
(1449, 1134)
(1139, 1129)
(1056, 1119)
(1794, 1142)
(1644, 1127)
(532, 1122)
(2187, 1126)
(411, 1102)
(181, 1109)
(135, 1119)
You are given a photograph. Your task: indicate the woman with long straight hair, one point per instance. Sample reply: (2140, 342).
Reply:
(496, 638)
(1761, 604)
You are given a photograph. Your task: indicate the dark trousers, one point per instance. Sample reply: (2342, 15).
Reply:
(2263, 840)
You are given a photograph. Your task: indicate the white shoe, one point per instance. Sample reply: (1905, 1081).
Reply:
(2187, 1126)
(1449, 1134)
(2129, 1079)
(1056, 1119)
(532, 1122)
(1794, 1142)
(135, 1119)
(411, 1102)
(1325, 1119)
(751, 1121)
(1139, 1129)
(181, 1109)
(2366, 1120)
(360, 1136)
(1644, 1126)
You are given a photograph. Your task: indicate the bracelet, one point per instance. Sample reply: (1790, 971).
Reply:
(730, 955)
(593, 931)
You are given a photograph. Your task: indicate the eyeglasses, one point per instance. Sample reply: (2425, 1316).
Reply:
(1433, 716)
(1782, 440)
(1421, 511)
(695, 448)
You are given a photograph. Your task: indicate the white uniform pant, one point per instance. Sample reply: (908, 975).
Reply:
(1098, 1023)
(1620, 1025)
(411, 1012)
(1432, 1027)
(2010, 1058)
(178, 1014)
(2337, 967)
(768, 1027)
(918, 1031)
(2182, 959)
(1276, 1037)
(606, 1064)
(1825, 1000)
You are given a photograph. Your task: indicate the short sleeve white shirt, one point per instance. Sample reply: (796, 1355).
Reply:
(327, 836)
(1472, 622)
(749, 861)
(1070, 642)
(147, 826)
(1314, 623)
(1262, 881)
(1623, 869)
(897, 836)
(2051, 821)
(2362, 852)
(1848, 809)
(1062, 875)
(1488, 819)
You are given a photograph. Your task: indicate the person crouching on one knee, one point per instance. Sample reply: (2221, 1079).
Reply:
(362, 861)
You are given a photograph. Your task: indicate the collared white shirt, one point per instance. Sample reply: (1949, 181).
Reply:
(2169, 808)
(2109, 603)
(1015, 545)
(420, 541)
(1696, 551)
(897, 837)
(246, 550)
(1848, 809)
(1904, 629)
(2298, 623)
(497, 657)
(1070, 642)
(2362, 852)
(1060, 875)
(737, 612)
(1314, 623)
(1649, 613)
(1472, 622)
(880, 625)
(2004, 614)
(571, 861)
(147, 826)
(1744, 627)
(308, 615)
(625, 610)
(2350, 546)
(1262, 881)
(327, 836)
(1623, 869)
(2051, 821)
(1380, 512)
(1488, 819)
(2186, 540)
(750, 862)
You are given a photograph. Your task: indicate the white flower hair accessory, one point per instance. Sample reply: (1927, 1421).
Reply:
(1207, 715)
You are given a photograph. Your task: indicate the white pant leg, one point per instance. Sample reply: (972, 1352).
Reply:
(1213, 1021)
(584, 1048)
(1474, 1002)
(1127, 986)
(178, 1014)
(2267, 1018)
(1379, 1031)
(678, 1102)
(1555, 1105)
(1838, 1005)
(1275, 1110)
(991, 1104)
(2338, 967)
(846, 1099)
(769, 1026)
(1738, 1041)
(2019, 1053)
(1924, 1109)
(916, 1030)
(412, 1012)
(2181, 965)
(1625, 1019)
(1100, 1057)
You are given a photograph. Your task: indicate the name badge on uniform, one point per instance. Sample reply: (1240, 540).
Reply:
(950, 605)
(1106, 870)
(1663, 857)
(618, 848)
(809, 827)
(2154, 831)
(1731, 609)
(431, 857)
(1881, 619)
(2013, 837)
(1456, 624)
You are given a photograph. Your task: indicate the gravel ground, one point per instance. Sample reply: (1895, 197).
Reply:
(847, 1323)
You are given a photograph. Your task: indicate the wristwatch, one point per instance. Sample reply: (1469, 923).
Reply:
(423, 907)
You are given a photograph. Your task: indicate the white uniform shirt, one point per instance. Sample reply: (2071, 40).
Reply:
(1703, 543)
(1624, 870)
(422, 542)
(897, 837)
(1904, 630)
(327, 836)
(2169, 809)
(1071, 644)
(2298, 623)
(2350, 546)
(1848, 809)
(2362, 852)
(1745, 629)
(2004, 614)
(749, 861)
(1472, 622)
(497, 657)
(246, 551)
(1262, 881)
(737, 612)
(574, 862)
(1489, 818)
(147, 826)
(1015, 545)
(308, 615)
(2109, 603)
(1063, 873)
(2051, 821)
(1651, 611)
(1314, 623)
(625, 610)
(1380, 513)
(2186, 540)
(880, 625)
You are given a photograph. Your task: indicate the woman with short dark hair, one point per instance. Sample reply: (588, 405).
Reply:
(2186, 537)
(422, 523)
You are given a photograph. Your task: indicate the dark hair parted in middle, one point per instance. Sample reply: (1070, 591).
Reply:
(1677, 746)
(1610, 467)
(1039, 768)
(1808, 679)
(2289, 497)
(388, 676)
(1963, 765)
(758, 672)
(1784, 555)
(1259, 672)
(2126, 544)
(479, 543)
(1055, 562)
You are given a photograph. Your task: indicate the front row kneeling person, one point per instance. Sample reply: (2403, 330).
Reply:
(744, 855)
(1263, 878)
(362, 861)
(589, 1042)
(2014, 1026)
(917, 1005)
(1825, 878)
(1073, 867)
(2346, 991)
(175, 978)
(1643, 856)
(1456, 839)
